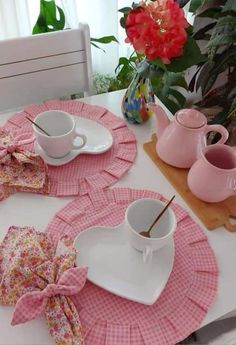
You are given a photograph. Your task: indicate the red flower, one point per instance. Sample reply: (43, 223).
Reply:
(157, 29)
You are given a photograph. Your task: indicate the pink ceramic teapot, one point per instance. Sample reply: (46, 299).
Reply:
(181, 141)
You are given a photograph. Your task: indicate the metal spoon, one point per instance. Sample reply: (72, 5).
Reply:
(43, 130)
(146, 233)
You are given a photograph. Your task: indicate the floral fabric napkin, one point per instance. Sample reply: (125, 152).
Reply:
(40, 278)
(20, 170)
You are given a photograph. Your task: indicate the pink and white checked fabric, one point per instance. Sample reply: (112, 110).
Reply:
(33, 303)
(86, 172)
(111, 320)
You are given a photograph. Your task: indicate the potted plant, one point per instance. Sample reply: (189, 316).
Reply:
(216, 77)
(48, 21)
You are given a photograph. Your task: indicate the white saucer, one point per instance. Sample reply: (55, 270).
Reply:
(115, 266)
(99, 140)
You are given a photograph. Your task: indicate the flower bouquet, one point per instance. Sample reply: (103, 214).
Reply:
(163, 49)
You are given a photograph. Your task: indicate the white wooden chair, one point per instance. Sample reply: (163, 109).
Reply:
(44, 66)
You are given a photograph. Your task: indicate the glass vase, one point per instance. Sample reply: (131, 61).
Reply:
(135, 101)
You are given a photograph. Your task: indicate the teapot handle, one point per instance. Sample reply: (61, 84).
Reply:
(220, 129)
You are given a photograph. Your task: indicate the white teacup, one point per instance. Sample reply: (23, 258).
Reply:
(139, 216)
(61, 128)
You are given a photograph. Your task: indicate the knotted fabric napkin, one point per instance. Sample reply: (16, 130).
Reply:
(20, 170)
(40, 278)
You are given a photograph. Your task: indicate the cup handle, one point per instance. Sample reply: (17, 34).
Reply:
(147, 254)
(220, 129)
(84, 139)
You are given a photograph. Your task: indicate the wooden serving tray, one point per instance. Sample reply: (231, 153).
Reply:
(212, 215)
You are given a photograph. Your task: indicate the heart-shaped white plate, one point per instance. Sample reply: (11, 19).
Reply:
(99, 140)
(115, 266)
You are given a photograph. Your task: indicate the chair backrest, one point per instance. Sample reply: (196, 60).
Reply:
(44, 66)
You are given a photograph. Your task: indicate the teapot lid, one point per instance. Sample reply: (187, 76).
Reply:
(191, 118)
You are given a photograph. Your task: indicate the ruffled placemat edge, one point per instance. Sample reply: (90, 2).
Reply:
(110, 174)
(169, 329)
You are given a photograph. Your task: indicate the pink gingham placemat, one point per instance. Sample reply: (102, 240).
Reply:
(111, 320)
(86, 172)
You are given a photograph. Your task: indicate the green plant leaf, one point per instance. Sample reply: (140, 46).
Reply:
(195, 4)
(225, 24)
(170, 104)
(192, 83)
(206, 78)
(122, 22)
(178, 96)
(135, 5)
(225, 59)
(125, 9)
(122, 61)
(182, 3)
(156, 81)
(96, 46)
(201, 34)
(191, 56)
(189, 30)
(122, 73)
(230, 5)
(223, 33)
(104, 39)
(205, 74)
(180, 81)
(221, 40)
(171, 79)
(211, 13)
(212, 69)
(216, 97)
(158, 63)
(173, 99)
(155, 73)
(125, 69)
(47, 20)
(175, 79)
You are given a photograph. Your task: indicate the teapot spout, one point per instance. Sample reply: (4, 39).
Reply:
(162, 120)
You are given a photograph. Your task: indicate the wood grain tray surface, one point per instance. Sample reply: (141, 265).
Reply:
(212, 215)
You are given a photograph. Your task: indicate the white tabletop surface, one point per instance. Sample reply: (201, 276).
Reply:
(34, 210)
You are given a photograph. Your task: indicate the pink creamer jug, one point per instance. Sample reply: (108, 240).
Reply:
(212, 177)
(181, 141)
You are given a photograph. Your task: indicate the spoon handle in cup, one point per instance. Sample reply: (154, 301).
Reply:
(37, 126)
(160, 214)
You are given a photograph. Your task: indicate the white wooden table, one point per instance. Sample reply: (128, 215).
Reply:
(35, 210)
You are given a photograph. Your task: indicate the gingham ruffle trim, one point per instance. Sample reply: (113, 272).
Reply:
(183, 304)
(124, 139)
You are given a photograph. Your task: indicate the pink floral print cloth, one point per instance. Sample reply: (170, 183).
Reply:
(20, 170)
(41, 278)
